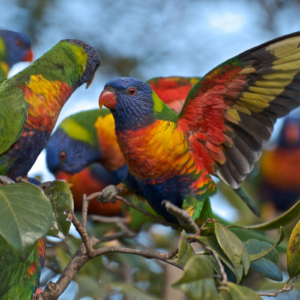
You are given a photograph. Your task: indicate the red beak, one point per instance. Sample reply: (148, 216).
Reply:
(28, 56)
(108, 99)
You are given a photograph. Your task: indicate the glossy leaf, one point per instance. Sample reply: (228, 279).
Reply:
(25, 216)
(261, 254)
(293, 252)
(238, 292)
(185, 250)
(266, 265)
(284, 219)
(197, 281)
(213, 263)
(61, 199)
(232, 247)
(212, 242)
(206, 213)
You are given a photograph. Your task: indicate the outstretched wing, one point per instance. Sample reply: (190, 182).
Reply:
(231, 111)
(13, 114)
(173, 90)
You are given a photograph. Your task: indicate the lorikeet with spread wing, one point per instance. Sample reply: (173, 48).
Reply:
(226, 118)
(280, 168)
(84, 149)
(30, 104)
(14, 47)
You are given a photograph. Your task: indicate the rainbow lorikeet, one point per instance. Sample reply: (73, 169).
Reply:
(32, 99)
(84, 149)
(226, 118)
(30, 104)
(21, 279)
(14, 47)
(280, 167)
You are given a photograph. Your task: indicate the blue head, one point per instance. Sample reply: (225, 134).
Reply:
(68, 154)
(17, 46)
(290, 133)
(130, 101)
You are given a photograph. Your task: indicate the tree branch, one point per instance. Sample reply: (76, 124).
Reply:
(284, 289)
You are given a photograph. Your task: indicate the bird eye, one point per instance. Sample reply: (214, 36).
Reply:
(19, 43)
(131, 91)
(97, 65)
(62, 155)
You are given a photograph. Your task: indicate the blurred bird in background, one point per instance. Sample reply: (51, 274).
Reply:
(14, 47)
(280, 168)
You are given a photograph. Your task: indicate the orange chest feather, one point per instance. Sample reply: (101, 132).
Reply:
(157, 151)
(46, 99)
(112, 157)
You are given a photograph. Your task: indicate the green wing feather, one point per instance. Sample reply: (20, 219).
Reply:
(13, 114)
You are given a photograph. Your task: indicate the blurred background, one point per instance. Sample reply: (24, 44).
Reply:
(145, 39)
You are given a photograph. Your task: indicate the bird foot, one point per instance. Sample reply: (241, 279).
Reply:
(109, 194)
(5, 180)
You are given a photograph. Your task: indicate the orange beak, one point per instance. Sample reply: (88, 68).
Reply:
(88, 83)
(108, 99)
(28, 56)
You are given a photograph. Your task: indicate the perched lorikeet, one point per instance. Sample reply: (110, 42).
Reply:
(32, 99)
(280, 167)
(30, 104)
(14, 47)
(84, 149)
(226, 118)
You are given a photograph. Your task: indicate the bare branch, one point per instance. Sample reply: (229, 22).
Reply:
(85, 207)
(158, 219)
(284, 289)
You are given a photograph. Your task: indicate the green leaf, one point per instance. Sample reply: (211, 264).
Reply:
(232, 247)
(284, 219)
(238, 292)
(261, 254)
(212, 242)
(131, 291)
(213, 263)
(185, 250)
(197, 281)
(293, 252)
(206, 213)
(266, 265)
(61, 199)
(25, 216)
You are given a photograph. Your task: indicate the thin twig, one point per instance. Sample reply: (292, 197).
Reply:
(284, 289)
(85, 207)
(208, 220)
(158, 219)
(118, 221)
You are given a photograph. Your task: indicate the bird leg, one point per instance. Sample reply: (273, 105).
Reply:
(109, 194)
(5, 180)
